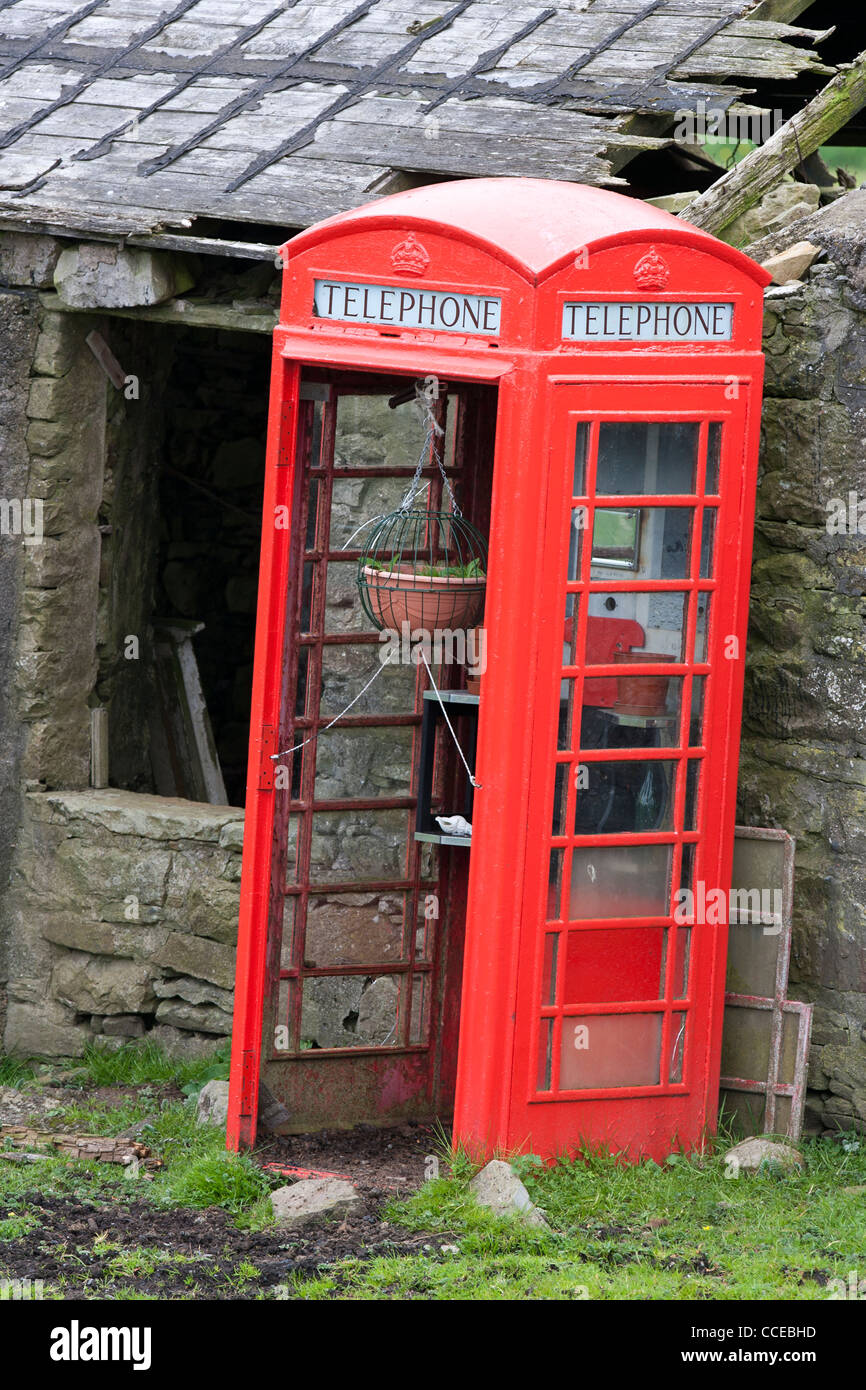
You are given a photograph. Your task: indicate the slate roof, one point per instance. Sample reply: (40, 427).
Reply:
(131, 116)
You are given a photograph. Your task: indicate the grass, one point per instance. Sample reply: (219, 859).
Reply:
(137, 1064)
(14, 1071)
(682, 1231)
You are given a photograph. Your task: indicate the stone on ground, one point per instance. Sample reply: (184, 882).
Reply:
(313, 1199)
(751, 1153)
(213, 1104)
(498, 1188)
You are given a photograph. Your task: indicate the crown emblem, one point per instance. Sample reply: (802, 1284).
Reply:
(652, 271)
(410, 257)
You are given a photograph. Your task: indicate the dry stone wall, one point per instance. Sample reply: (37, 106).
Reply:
(124, 915)
(803, 764)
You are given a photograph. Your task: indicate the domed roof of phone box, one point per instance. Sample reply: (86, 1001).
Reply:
(534, 225)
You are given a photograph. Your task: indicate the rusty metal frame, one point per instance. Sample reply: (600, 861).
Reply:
(772, 1088)
(304, 805)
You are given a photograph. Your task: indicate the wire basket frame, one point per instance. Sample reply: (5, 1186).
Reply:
(427, 568)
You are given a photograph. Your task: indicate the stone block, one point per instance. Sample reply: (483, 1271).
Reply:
(189, 1046)
(312, 1200)
(194, 991)
(77, 933)
(212, 1106)
(203, 959)
(100, 276)
(232, 835)
(124, 1026)
(33, 1030)
(198, 1018)
(28, 259)
(98, 985)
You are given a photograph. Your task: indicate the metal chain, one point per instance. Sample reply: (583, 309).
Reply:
(429, 446)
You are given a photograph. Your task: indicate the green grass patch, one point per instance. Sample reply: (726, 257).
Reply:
(15, 1071)
(140, 1063)
(681, 1231)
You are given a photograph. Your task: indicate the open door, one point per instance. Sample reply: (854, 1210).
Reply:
(365, 922)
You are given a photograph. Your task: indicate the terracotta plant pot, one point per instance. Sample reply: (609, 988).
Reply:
(427, 601)
(637, 694)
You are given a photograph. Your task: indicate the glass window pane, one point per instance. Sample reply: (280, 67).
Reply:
(545, 1054)
(613, 797)
(569, 651)
(708, 532)
(347, 669)
(677, 1039)
(371, 435)
(646, 458)
(564, 733)
(579, 521)
(702, 627)
(354, 763)
(645, 714)
(548, 982)
(554, 885)
(560, 793)
(614, 966)
(683, 951)
(651, 542)
(581, 442)
(312, 513)
(629, 627)
(696, 728)
(620, 881)
(607, 1050)
(714, 457)
(693, 772)
(419, 1028)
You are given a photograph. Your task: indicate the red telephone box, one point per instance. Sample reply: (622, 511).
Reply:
(598, 374)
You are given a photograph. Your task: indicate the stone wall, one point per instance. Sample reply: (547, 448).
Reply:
(123, 910)
(803, 764)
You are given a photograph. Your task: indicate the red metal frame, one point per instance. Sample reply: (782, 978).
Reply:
(519, 240)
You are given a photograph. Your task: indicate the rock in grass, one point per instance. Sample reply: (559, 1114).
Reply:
(212, 1107)
(498, 1188)
(313, 1199)
(751, 1153)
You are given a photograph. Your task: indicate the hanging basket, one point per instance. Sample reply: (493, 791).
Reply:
(427, 569)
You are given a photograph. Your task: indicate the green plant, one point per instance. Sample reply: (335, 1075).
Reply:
(14, 1070)
(217, 1070)
(220, 1180)
(400, 563)
(138, 1063)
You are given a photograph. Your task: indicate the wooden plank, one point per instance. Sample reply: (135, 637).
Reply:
(184, 312)
(99, 747)
(748, 181)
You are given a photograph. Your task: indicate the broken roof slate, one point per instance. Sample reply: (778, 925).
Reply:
(137, 112)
